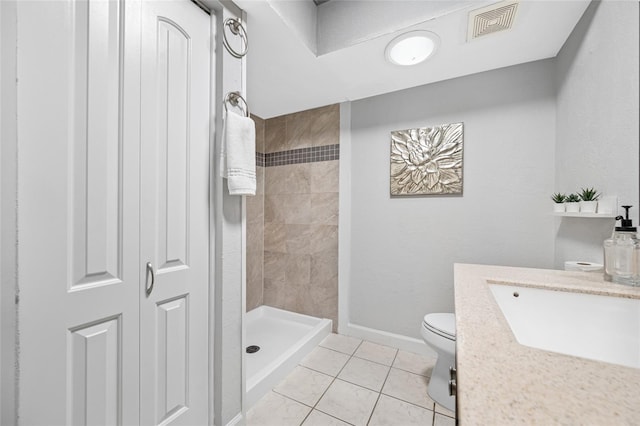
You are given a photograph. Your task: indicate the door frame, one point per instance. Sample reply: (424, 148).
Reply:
(8, 213)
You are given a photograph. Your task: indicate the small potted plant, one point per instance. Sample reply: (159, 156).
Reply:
(572, 203)
(588, 200)
(558, 202)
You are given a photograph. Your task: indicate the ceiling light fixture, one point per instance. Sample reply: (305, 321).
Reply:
(412, 48)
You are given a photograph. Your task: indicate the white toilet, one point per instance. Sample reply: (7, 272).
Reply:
(439, 332)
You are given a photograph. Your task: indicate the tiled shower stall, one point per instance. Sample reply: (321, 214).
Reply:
(292, 222)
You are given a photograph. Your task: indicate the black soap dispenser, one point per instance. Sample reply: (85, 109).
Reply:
(619, 252)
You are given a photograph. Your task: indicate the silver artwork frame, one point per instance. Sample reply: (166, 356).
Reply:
(427, 160)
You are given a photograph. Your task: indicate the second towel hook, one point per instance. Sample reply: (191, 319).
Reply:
(234, 99)
(236, 28)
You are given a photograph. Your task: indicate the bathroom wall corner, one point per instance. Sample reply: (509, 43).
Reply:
(228, 277)
(255, 227)
(344, 226)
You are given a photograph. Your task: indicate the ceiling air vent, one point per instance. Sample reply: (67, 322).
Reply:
(490, 19)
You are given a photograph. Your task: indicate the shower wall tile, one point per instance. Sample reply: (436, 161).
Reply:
(325, 125)
(298, 269)
(323, 266)
(274, 268)
(255, 215)
(298, 209)
(275, 293)
(255, 229)
(298, 130)
(259, 132)
(323, 238)
(255, 279)
(324, 176)
(275, 238)
(260, 181)
(283, 276)
(324, 208)
(298, 238)
(287, 208)
(290, 179)
(255, 239)
(274, 134)
(320, 299)
(301, 213)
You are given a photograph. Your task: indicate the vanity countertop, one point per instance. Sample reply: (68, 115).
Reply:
(502, 382)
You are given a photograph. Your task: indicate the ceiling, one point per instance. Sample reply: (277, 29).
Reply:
(302, 56)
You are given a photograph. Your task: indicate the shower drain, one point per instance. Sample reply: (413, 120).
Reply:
(252, 349)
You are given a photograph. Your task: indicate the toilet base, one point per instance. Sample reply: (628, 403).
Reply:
(438, 388)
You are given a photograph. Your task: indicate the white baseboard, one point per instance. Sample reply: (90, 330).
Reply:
(399, 341)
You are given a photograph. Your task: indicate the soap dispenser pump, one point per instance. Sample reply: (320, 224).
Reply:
(619, 252)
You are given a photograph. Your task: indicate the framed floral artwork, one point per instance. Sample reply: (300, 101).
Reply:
(427, 160)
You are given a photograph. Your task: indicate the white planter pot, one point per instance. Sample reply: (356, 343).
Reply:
(558, 207)
(572, 207)
(588, 206)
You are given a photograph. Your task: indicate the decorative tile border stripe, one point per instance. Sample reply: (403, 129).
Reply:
(297, 156)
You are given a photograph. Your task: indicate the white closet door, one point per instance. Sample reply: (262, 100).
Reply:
(78, 212)
(174, 213)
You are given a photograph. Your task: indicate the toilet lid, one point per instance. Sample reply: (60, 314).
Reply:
(443, 323)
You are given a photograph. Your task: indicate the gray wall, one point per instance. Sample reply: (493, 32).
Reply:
(403, 249)
(597, 130)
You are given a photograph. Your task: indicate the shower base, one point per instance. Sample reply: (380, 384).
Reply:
(284, 338)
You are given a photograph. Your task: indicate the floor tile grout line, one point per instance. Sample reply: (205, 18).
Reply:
(433, 416)
(311, 369)
(410, 403)
(312, 408)
(373, 410)
(327, 389)
(376, 362)
(358, 385)
(334, 350)
(382, 387)
(331, 415)
(334, 378)
(380, 392)
(291, 398)
(332, 382)
(433, 410)
(409, 371)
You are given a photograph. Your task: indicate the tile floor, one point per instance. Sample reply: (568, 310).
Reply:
(347, 381)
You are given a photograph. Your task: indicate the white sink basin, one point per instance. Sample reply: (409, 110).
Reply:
(601, 328)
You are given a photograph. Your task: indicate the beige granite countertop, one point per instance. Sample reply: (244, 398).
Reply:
(501, 382)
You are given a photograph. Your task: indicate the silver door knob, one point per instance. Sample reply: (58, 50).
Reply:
(149, 288)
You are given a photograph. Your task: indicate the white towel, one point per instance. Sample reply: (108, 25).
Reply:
(238, 154)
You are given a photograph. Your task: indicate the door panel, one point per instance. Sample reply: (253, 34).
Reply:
(172, 368)
(94, 113)
(78, 219)
(96, 378)
(173, 130)
(174, 212)
(97, 171)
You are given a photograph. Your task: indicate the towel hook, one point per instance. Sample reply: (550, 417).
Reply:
(236, 28)
(234, 99)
